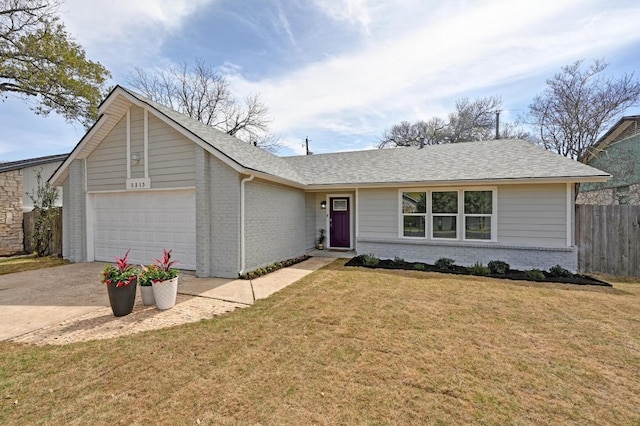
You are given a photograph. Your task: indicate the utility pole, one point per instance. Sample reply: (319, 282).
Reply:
(498, 124)
(306, 143)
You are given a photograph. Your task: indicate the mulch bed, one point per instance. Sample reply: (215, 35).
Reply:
(513, 274)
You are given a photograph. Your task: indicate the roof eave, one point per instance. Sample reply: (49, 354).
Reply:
(460, 182)
(62, 171)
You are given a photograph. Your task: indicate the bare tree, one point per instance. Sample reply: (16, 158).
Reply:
(578, 104)
(204, 94)
(430, 132)
(472, 120)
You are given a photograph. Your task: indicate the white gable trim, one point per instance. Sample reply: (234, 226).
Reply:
(61, 174)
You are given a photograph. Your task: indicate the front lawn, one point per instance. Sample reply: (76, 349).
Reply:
(353, 346)
(27, 263)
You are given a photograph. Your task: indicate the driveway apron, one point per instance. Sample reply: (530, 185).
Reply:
(31, 300)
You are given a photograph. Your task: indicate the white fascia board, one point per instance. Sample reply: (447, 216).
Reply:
(59, 175)
(519, 181)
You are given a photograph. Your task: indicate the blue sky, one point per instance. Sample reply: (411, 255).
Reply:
(342, 71)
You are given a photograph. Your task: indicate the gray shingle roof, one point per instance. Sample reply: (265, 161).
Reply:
(244, 154)
(31, 162)
(470, 161)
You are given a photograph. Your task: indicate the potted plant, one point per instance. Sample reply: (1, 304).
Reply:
(146, 288)
(163, 279)
(121, 281)
(321, 240)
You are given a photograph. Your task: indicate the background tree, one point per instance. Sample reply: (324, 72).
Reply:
(39, 61)
(204, 94)
(577, 105)
(44, 204)
(471, 121)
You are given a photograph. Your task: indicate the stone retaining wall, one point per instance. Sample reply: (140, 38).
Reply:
(11, 192)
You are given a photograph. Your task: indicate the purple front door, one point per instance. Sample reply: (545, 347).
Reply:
(340, 230)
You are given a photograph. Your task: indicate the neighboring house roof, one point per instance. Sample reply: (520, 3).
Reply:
(31, 162)
(613, 134)
(472, 161)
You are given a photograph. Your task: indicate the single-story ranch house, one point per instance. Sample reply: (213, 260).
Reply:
(145, 177)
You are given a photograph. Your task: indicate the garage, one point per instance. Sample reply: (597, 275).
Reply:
(145, 222)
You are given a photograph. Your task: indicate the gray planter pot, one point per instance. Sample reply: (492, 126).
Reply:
(146, 294)
(122, 298)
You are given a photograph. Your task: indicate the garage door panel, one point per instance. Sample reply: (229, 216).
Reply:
(145, 222)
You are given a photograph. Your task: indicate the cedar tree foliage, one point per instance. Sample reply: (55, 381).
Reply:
(40, 62)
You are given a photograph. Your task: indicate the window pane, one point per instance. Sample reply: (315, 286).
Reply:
(478, 202)
(413, 226)
(444, 202)
(477, 228)
(444, 227)
(414, 202)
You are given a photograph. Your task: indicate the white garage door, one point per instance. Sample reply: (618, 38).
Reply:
(145, 222)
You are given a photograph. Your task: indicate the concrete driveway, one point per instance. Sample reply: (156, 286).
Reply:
(32, 300)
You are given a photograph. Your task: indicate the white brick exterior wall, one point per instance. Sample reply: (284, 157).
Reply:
(467, 254)
(275, 223)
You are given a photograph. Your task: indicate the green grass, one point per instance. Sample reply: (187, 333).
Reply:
(28, 263)
(354, 346)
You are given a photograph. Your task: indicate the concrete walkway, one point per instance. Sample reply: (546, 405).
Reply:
(248, 291)
(33, 300)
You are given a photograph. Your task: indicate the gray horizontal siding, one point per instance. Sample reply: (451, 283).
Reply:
(171, 161)
(532, 215)
(528, 215)
(378, 213)
(107, 164)
(137, 140)
(171, 156)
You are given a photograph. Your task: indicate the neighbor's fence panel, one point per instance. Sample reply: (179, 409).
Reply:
(28, 223)
(608, 239)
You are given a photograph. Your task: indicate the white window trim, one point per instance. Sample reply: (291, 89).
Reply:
(493, 215)
(456, 215)
(402, 215)
(461, 216)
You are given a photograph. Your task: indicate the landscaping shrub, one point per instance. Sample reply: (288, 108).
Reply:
(398, 261)
(534, 274)
(499, 267)
(444, 263)
(560, 272)
(273, 267)
(479, 269)
(370, 259)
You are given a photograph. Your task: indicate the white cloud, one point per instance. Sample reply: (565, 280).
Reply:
(352, 11)
(478, 46)
(120, 31)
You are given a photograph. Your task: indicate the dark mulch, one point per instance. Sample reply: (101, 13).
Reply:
(513, 274)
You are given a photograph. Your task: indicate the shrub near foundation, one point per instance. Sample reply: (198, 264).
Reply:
(496, 269)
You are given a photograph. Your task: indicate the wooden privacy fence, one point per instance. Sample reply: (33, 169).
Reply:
(28, 222)
(608, 239)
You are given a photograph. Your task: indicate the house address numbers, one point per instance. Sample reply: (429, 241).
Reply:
(139, 183)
